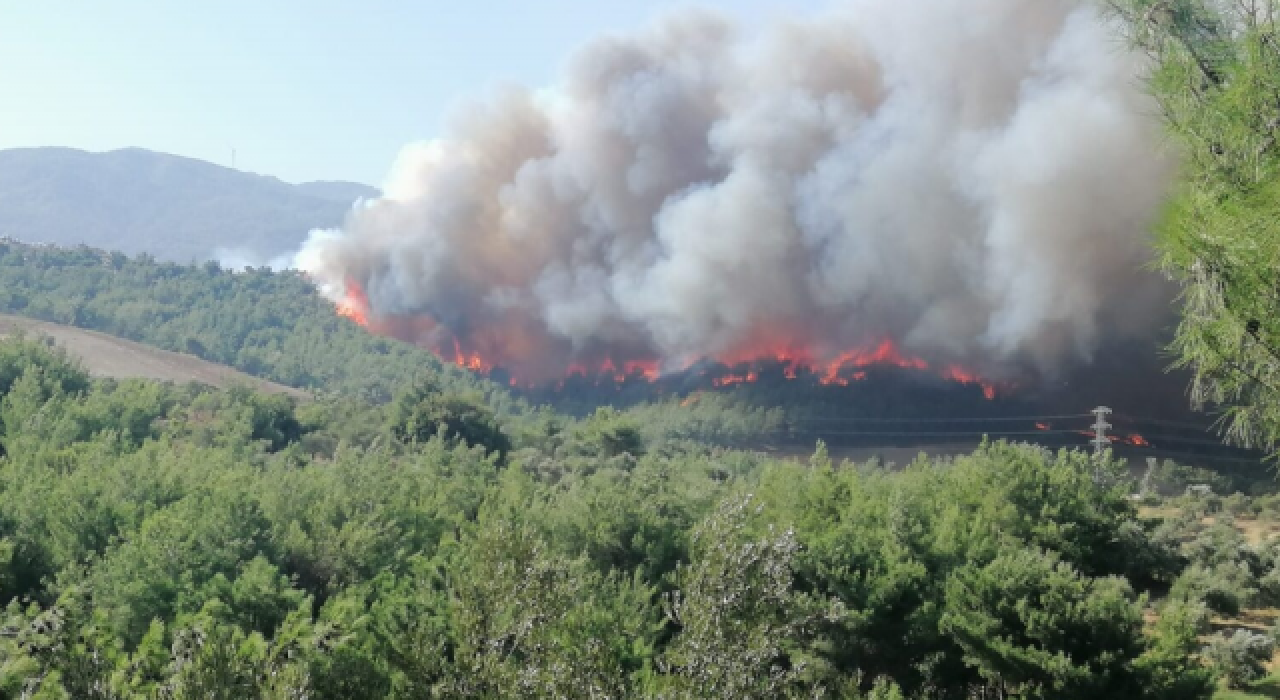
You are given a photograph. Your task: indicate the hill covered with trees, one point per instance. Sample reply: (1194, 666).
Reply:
(269, 324)
(274, 325)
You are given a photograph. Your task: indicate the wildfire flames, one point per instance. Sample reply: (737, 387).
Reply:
(1133, 440)
(355, 305)
(731, 379)
(471, 361)
(648, 371)
(744, 367)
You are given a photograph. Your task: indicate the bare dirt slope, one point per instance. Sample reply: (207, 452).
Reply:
(108, 356)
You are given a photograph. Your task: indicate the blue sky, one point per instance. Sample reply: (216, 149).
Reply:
(301, 90)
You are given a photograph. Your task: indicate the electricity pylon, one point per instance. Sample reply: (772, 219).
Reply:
(1100, 425)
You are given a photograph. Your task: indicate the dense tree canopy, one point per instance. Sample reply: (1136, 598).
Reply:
(183, 542)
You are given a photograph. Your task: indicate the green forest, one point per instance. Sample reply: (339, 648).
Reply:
(164, 541)
(269, 324)
(410, 530)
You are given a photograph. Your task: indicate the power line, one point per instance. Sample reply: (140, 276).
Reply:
(999, 419)
(1199, 430)
(1169, 423)
(1207, 458)
(1190, 441)
(1111, 440)
(1152, 451)
(913, 433)
(1083, 433)
(1126, 420)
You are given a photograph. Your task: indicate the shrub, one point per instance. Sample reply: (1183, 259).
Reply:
(1240, 657)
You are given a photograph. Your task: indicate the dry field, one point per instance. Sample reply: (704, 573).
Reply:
(107, 356)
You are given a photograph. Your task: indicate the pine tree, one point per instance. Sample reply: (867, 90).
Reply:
(1216, 76)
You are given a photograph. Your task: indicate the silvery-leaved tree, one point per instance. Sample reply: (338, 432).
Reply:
(742, 625)
(1215, 74)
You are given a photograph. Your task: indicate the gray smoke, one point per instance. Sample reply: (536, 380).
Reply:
(973, 179)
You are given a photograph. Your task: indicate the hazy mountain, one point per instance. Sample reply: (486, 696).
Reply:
(338, 191)
(174, 208)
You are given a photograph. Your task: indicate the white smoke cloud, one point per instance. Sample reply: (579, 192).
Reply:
(972, 178)
(238, 258)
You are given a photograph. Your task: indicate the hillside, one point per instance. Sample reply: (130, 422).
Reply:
(277, 327)
(179, 209)
(107, 356)
(270, 325)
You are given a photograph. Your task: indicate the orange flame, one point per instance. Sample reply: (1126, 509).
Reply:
(959, 374)
(355, 305)
(648, 371)
(1134, 440)
(490, 348)
(471, 361)
(884, 354)
(731, 379)
(887, 354)
(608, 370)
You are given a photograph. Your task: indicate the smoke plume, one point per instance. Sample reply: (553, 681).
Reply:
(972, 179)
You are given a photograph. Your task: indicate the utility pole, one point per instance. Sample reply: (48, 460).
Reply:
(1100, 425)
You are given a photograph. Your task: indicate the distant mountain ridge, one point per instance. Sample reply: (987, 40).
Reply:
(338, 190)
(172, 207)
